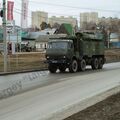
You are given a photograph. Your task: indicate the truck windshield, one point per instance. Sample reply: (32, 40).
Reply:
(58, 45)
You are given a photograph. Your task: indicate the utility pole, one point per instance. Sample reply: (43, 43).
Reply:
(108, 33)
(4, 35)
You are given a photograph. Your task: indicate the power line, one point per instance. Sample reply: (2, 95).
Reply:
(30, 17)
(69, 7)
(49, 13)
(52, 13)
(18, 11)
(61, 5)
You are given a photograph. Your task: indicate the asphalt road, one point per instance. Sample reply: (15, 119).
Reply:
(56, 95)
(11, 85)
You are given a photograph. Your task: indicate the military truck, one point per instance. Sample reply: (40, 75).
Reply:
(76, 52)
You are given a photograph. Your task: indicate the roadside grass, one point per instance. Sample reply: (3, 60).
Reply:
(25, 61)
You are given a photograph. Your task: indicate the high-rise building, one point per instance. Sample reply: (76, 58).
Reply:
(24, 15)
(62, 19)
(88, 17)
(38, 17)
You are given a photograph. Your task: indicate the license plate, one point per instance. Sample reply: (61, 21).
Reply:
(55, 61)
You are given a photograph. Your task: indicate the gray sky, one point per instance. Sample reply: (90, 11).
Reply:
(74, 9)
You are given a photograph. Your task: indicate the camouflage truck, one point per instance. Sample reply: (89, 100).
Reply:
(76, 52)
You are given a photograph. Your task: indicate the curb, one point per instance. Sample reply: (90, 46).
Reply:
(24, 71)
(77, 107)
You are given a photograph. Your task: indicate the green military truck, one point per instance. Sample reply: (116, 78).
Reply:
(76, 52)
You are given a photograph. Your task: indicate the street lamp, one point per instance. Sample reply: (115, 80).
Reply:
(108, 43)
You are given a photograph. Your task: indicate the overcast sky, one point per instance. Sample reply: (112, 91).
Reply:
(69, 7)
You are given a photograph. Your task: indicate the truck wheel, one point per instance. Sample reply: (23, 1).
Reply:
(95, 63)
(62, 68)
(73, 66)
(82, 65)
(52, 68)
(100, 65)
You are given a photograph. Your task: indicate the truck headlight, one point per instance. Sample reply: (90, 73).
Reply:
(64, 56)
(47, 57)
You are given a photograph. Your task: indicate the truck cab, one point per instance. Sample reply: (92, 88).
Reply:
(59, 53)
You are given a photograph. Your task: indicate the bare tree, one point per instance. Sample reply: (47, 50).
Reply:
(48, 25)
(91, 26)
(56, 25)
(43, 25)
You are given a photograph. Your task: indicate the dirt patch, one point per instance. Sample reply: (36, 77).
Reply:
(112, 55)
(24, 61)
(108, 109)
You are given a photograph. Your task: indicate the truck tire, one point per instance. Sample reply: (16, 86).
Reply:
(82, 65)
(100, 61)
(95, 64)
(73, 66)
(52, 68)
(62, 68)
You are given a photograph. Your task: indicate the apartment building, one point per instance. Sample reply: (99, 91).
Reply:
(88, 17)
(71, 20)
(38, 17)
